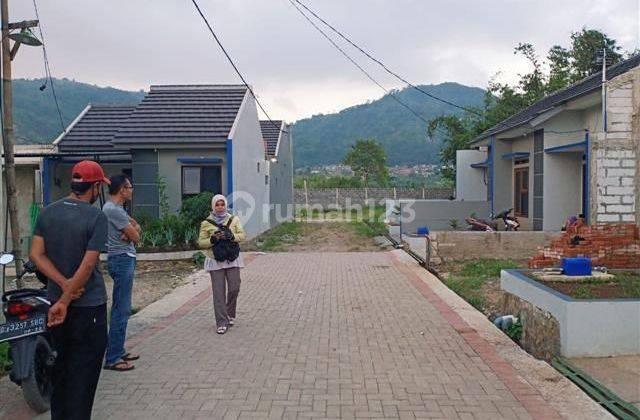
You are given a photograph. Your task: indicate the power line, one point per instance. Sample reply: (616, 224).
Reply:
(355, 63)
(387, 69)
(47, 68)
(215, 37)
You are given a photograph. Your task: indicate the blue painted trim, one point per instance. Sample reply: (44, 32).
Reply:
(565, 147)
(46, 181)
(520, 274)
(515, 155)
(587, 211)
(202, 160)
(483, 164)
(490, 159)
(230, 169)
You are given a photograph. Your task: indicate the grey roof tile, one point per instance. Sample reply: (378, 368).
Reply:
(95, 130)
(183, 114)
(582, 87)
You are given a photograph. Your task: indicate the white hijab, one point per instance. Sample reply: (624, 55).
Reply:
(218, 217)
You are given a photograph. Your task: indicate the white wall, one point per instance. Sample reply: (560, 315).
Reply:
(588, 328)
(562, 188)
(471, 183)
(249, 182)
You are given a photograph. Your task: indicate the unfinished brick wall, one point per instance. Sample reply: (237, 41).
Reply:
(613, 245)
(615, 154)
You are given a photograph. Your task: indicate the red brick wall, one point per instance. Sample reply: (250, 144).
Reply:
(613, 245)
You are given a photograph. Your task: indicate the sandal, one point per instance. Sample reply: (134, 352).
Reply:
(130, 357)
(121, 366)
(221, 330)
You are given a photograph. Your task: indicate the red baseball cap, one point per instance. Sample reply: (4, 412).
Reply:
(88, 171)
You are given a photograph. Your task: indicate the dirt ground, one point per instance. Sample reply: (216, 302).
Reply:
(316, 237)
(153, 280)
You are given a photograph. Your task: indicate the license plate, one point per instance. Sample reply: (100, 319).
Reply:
(17, 329)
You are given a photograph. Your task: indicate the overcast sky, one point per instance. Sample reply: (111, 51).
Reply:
(131, 44)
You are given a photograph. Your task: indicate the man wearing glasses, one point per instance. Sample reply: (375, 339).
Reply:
(124, 233)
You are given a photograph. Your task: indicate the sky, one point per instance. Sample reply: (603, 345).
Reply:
(295, 72)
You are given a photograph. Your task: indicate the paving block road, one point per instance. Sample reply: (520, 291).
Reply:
(319, 336)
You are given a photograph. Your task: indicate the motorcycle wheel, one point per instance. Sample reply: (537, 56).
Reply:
(37, 387)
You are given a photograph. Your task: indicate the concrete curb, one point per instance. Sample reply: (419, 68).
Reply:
(161, 256)
(560, 393)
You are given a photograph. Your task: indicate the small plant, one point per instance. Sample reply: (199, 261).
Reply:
(514, 331)
(155, 238)
(198, 259)
(145, 238)
(583, 292)
(454, 224)
(169, 236)
(163, 198)
(190, 235)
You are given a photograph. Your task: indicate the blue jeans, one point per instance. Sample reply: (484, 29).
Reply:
(121, 270)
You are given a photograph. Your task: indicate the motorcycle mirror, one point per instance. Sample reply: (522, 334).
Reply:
(6, 259)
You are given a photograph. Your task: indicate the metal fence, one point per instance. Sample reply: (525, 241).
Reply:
(344, 196)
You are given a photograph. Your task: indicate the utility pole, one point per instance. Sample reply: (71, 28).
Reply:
(8, 53)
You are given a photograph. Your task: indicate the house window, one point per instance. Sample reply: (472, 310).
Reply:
(191, 181)
(266, 180)
(196, 179)
(521, 191)
(258, 167)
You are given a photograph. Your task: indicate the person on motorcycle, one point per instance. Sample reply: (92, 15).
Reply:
(66, 246)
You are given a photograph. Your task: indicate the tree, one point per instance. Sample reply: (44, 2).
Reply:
(368, 160)
(588, 44)
(502, 100)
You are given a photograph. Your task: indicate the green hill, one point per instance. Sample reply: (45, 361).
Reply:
(34, 112)
(325, 139)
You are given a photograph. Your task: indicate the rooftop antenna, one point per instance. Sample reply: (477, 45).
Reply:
(605, 61)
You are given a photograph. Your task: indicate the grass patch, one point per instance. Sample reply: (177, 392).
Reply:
(284, 233)
(630, 284)
(468, 282)
(5, 363)
(486, 268)
(365, 231)
(623, 285)
(468, 288)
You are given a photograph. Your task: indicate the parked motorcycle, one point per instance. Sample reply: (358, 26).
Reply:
(511, 223)
(481, 225)
(25, 329)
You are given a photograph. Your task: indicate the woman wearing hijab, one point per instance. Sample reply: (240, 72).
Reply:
(220, 233)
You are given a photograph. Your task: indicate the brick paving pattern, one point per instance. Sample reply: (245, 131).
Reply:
(319, 336)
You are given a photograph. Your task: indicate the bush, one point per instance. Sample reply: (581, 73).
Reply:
(5, 363)
(195, 209)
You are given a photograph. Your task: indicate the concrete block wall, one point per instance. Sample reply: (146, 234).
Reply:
(615, 155)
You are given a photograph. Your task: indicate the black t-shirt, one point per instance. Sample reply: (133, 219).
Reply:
(70, 228)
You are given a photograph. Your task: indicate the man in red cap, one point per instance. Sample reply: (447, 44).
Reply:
(68, 239)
